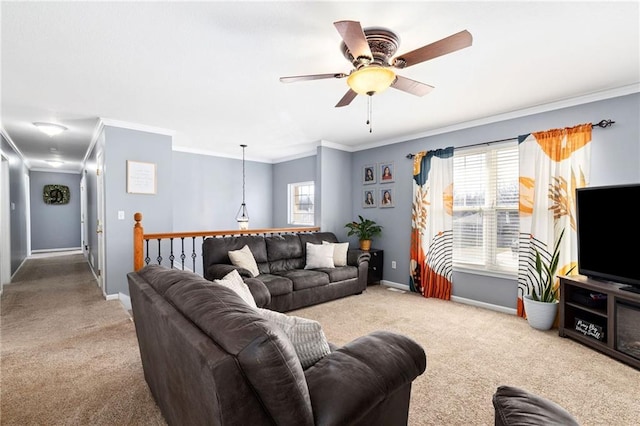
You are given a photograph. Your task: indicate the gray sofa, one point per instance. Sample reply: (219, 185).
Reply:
(210, 359)
(281, 261)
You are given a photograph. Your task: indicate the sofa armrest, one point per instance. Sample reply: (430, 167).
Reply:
(358, 257)
(346, 384)
(219, 270)
(259, 291)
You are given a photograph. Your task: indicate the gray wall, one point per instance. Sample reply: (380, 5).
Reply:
(292, 171)
(157, 209)
(18, 211)
(54, 226)
(335, 194)
(207, 192)
(615, 160)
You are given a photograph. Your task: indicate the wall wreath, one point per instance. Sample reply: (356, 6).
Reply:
(56, 194)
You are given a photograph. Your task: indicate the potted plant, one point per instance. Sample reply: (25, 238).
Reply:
(365, 230)
(541, 306)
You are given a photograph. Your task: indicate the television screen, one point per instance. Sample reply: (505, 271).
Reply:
(608, 227)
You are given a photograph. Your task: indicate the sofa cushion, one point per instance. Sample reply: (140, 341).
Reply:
(284, 252)
(514, 406)
(341, 273)
(216, 250)
(234, 281)
(305, 278)
(277, 285)
(316, 238)
(243, 258)
(340, 251)
(305, 335)
(319, 256)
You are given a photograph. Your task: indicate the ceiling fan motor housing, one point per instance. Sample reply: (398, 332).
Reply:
(383, 44)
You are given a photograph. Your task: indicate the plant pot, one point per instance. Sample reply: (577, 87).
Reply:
(540, 315)
(365, 245)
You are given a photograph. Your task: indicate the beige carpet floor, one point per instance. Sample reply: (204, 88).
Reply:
(68, 357)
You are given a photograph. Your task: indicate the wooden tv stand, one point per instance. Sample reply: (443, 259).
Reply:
(593, 321)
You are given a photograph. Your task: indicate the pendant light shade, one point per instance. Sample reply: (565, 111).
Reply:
(243, 215)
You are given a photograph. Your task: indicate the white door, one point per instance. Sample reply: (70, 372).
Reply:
(27, 210)
(5, 224)
(83, 213)
(100, 221)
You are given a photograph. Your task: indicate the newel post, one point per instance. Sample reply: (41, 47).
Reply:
(138, 239)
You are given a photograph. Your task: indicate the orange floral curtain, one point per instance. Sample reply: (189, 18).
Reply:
(552, 165)
(431, 265)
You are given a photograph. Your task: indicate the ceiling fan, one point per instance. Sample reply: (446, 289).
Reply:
(371, 51)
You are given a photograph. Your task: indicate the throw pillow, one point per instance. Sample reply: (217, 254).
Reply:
(305, 335)
(243, 258)
(339, 253)
(234, 281)
(319, 256)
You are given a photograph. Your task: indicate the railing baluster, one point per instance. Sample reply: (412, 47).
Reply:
(147, 259)
(193, 253)
(159, 258)
(171, 256)
(182, 255)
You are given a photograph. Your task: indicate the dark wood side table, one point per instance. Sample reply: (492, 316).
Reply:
(376, 262)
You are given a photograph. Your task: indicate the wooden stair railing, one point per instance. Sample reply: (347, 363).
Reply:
(141, 253)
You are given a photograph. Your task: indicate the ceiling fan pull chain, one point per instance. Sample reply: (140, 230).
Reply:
(369, 110)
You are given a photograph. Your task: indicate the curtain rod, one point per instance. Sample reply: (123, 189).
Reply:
(602, 124)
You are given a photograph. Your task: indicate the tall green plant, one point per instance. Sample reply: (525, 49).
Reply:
(366, 229)
(543, 290)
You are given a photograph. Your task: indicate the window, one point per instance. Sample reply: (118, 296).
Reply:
(485, 208)
(301, 199)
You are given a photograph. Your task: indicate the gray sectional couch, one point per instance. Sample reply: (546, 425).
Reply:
(211, 359)
(281, 263)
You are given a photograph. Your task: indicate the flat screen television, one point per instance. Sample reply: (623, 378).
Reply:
(608, 228)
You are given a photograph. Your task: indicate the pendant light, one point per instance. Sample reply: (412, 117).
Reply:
(243, 216)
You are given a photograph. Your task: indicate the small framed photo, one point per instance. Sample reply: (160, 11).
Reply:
(369, 198)
(386, 172)
(369, 174)
(386, 197)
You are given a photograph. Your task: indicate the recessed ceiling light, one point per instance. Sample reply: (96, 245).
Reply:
(55, 163)
(50, 129)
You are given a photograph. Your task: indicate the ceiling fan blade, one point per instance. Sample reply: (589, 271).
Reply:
(354, 38)
(442, 47)
(347, 98)
(295, 78)
(411, 86)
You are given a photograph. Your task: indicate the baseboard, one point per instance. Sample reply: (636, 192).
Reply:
(490, 306)
(395, 285)
(56, 250)
(458, 299)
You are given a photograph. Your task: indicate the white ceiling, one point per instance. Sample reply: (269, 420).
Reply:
(208, 72)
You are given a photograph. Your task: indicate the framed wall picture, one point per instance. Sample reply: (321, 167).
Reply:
(386, 197)
(56, 194)
(386, 172)
(141, 177)
(369, 174)
(369, 198)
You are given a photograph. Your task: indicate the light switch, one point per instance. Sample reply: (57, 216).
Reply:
(120, 214)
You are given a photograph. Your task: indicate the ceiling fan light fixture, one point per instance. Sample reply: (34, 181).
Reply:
(50, 129)
(370, 80)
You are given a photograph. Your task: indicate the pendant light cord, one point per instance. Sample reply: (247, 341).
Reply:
(243, 176)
